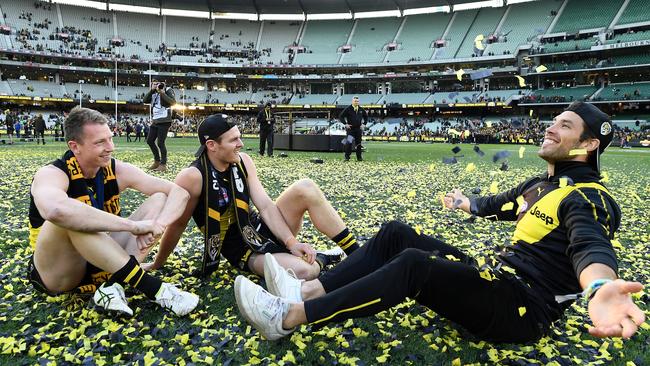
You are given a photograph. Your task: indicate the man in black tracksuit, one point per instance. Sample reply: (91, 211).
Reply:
(352, 117)
(162, 98)
(561, 250)
(266, 121)
(39, 129)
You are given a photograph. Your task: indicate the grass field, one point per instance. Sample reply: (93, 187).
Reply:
(397, 181)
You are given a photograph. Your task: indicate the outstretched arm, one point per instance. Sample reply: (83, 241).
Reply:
(611, 309)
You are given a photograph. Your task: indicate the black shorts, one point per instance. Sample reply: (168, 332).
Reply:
(236, 251)
(93, 278)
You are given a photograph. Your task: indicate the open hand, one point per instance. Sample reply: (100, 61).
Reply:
(613, 312)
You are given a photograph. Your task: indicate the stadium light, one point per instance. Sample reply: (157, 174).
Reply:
(243, 16)
(84, 3)
(282, 16)
(329, 16)
(479, 4)
(377, 14)
(428, 10)
(134, 9)
(186, 13)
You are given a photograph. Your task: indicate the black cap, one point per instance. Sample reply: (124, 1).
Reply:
(211, 128)
(599, 123)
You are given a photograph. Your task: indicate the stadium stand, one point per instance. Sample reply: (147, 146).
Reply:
(417, 36)
(522, 23)
(235, 34)
(99, 22)
(276, 35)
(626, 91)
(35, 88)
(405, 98)
(346, 99)
(484, 24)
(187, 32)
(369, 39)
(460, 23)
(314, 99)
(502, 95)
(561, 95)
(586, 14)
(453, 97)
(635, 12)
(322, 38)
(5, 89)
(141, 34)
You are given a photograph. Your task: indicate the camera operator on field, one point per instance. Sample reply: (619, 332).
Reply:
(161, 97)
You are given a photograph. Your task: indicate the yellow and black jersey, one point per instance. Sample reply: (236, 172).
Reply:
(564, 223)
(79, 188)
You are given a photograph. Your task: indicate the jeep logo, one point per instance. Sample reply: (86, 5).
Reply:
(542, 216)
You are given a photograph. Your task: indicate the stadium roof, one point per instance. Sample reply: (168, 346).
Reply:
(296, 6)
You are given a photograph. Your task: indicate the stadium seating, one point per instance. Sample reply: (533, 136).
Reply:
(626, 91)
(314, 99)
(138, 31)
(97, 92)
(369, 39)
(454, 97)
(417, 36)
(5, 89)
(460, 24)
(35, 88)
(523, 22)
(322, 38)
(235, 34)
(78, 17)
(502, 95)
(628, 37)
(405, 98)
(570, 45)
(636, 11)
(346, 99)
(586, 14)
(485, 24)
(276, 36)
(564, 95)
(180, 31)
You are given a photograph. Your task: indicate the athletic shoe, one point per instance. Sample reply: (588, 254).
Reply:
(154, 165)
(111, 297)
(261, 309)
(160, 168)
(335, 254)
(281, 282)
(179, 301)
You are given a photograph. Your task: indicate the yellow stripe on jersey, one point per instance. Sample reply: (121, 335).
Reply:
(214, 214)
(241, 204)
(347, 310)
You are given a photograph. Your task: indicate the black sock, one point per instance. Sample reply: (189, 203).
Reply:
(346, 241)
(135, 276)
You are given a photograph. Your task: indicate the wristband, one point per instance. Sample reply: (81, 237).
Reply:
(587, 293)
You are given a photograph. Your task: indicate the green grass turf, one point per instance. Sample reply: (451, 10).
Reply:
(397, 181)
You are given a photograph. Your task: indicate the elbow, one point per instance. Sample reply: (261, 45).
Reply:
(182, 194)
(56, 214)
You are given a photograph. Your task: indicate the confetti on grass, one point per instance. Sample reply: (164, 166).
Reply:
(35, 329)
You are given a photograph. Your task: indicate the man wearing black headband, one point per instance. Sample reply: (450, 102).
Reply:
(222, 182)
(561, 251)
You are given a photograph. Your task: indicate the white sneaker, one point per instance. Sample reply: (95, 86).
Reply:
(336, 253)
(112, 298)
(263, 310)
(179, 301)
(280, 281)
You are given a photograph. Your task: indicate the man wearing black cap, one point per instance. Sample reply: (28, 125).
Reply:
(222, 181)
(561, 250)
(266, 121)
(354, 117)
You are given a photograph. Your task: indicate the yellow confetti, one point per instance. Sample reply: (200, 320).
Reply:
(459, 74)
(576, 152)
(563, 182)
(521, 152)
(522, 81)
(486, 275)
(456, 362)
(410, 194)
(541, 68)
(383, 358)
(452, 258)
(470, 167)
(605, 176)
(508, 206)
(494, 188)
(522, 310)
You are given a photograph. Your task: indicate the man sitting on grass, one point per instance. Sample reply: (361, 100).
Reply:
(561, 251)
(75, 226)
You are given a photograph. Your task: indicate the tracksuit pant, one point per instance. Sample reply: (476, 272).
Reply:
(398, 263)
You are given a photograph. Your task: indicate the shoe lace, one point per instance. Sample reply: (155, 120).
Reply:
(272, 305)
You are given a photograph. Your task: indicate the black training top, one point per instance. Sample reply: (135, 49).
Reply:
(354, 118)
(564, 223)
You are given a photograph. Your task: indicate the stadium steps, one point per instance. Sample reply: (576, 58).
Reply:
(460, 46)
(301, 32)
(399, 31)
(163, 36)
(434, 55)
(354, 27)
(636, 13)
(114, 25)
(597, 93)
(59, 16)
(259, 36)
(619, 14)
(503, 20)
(557, 17)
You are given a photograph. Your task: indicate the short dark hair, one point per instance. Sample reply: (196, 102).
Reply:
(77, 119)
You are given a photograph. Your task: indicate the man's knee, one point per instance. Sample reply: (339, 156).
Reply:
(395, 228)
(306, 271)
(412, 257)
(306, 189)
